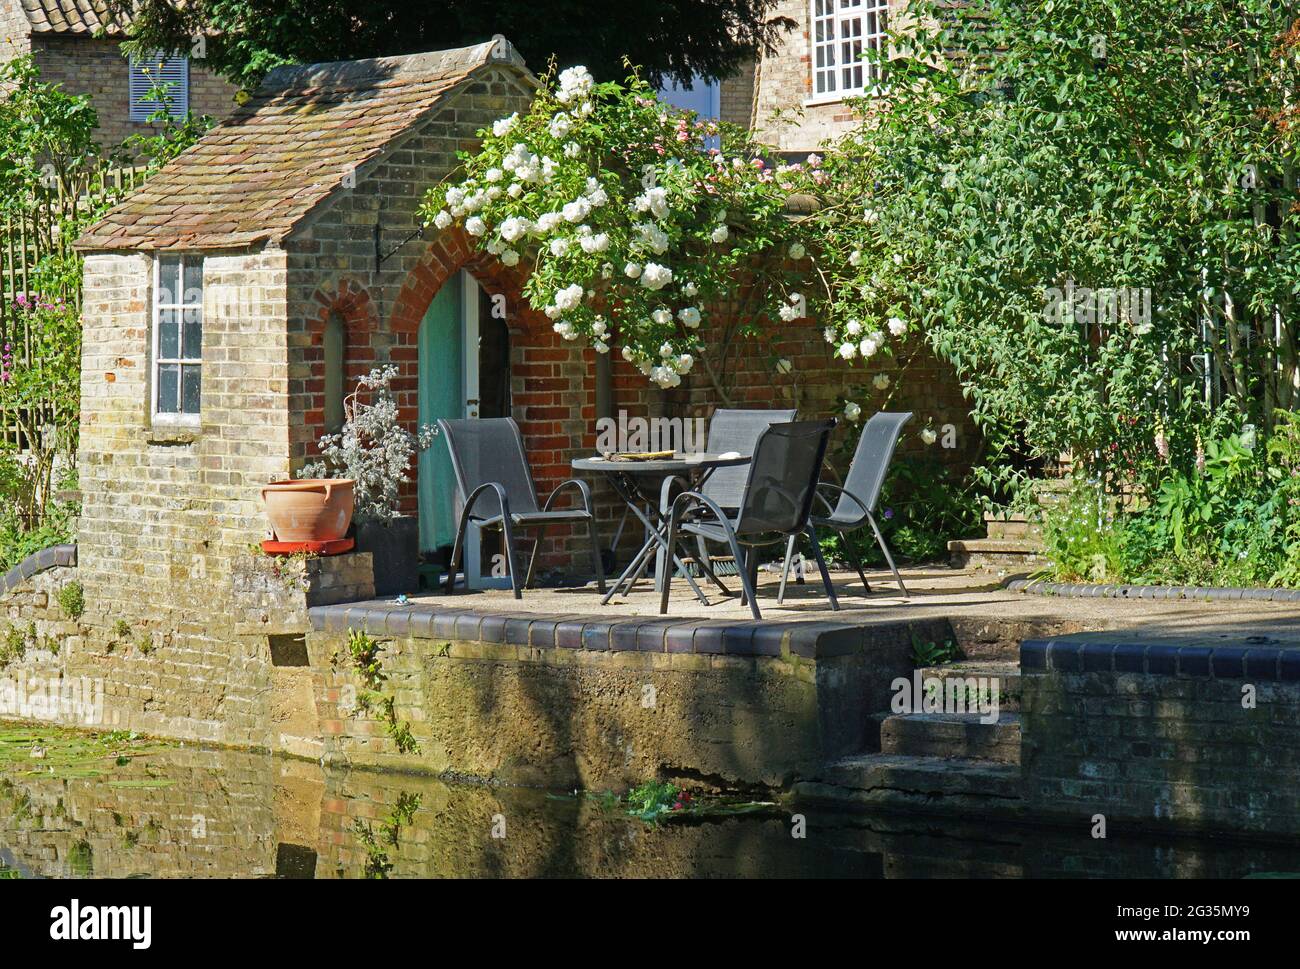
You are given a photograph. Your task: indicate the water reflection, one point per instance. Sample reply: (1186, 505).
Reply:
(187, 812)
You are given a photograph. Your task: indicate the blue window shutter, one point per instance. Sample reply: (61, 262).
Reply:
(153, 72)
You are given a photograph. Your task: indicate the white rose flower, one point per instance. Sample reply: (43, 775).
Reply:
(572, 150)
(853, 328)
(600, 346)
(788, 313)
(880, 381)
(896, 326)
(829, 335)
(502, 127)
(868, 347)
(442, 219)
(690, 317)
(852, 411)
(559, 247)
(719, 234)
(575, 84)
(666, 350)
(514, 228)
(689, 289)
(455, 196)
(848, 351)
(514, 190)
(655, 276)
(493, 175)
(569, 297)
(662, 316)
(475, 226)
(684, 363)
(595, 243)
(797, 251)
(552, 312)
(607, 271)
(576, 211)
(869, 216)
(509, 258)
(560, 126)
(929, 436)
(632, 270)
(855, 258)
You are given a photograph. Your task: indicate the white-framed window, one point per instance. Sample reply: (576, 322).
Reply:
(841, 31)
(146, 74)
(177, 338)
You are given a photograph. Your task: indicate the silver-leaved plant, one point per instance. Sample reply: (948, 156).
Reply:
(373, 449)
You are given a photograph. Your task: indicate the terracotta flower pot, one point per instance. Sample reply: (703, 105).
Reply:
(310, 509)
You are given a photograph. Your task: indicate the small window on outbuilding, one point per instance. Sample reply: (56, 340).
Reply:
(177, 337)
(148, 75)
(335, 345)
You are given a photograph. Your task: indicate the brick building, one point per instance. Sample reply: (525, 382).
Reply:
(75, 44)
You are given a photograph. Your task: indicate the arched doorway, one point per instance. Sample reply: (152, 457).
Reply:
(464, 372)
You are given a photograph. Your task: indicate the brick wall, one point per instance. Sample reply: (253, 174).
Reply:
(785, 116)
(87, 65)
(736, 97)
(15, 30)
(1201, 736)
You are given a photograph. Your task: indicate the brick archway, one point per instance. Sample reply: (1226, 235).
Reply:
(350, 302)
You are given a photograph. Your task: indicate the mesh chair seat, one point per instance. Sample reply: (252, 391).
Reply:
(732, 429)
(557, 517)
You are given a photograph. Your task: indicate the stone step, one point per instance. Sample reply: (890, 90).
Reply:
(1013, 529)
(995, 552)
(897, 781)
(952, 735)
(1006, 673)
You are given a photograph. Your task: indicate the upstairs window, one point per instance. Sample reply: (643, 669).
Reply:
(842, 30)
(178, 338)
(148, 74)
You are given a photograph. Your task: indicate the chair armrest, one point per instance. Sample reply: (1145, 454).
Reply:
(840, 492)
(483, 489)
(583, 489)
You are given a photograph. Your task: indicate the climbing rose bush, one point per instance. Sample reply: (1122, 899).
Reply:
(632, 218)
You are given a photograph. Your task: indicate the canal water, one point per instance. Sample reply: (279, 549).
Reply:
(116, 806)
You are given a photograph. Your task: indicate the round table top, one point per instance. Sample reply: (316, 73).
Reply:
(675, 464)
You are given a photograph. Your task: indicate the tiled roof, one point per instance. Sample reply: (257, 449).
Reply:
(255, 176)
(71, 17)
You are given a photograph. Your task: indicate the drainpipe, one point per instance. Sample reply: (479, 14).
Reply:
(604, 386)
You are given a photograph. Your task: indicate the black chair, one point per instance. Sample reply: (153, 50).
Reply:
(775, 504)
(494, 488)
(855, 503)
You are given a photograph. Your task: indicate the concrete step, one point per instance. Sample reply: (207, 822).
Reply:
(995, 552)
(1002, 675)
(979, 788)
(952, 735)
(1013, 528)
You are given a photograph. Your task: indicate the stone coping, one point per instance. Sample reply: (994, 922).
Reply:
(659, 634)
(46, 558)
(1239, 658)
(1089, 590)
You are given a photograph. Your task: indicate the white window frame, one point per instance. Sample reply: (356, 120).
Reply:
(846, 31)
(146, 73)
(177, 417)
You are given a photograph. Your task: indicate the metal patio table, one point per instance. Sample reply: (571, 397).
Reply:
(632, 481)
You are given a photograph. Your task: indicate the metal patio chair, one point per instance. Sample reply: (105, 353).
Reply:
(775, 504)
(733, 429)
(855, 502)
(494, 488)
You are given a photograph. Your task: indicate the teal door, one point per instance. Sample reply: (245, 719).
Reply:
(442, 394)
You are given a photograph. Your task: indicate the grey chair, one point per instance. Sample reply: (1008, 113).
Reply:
(855, 502)
(733, 429)
(774, 505)
(494, 488)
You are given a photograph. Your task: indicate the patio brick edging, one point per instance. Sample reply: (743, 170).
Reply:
(46, 558)
(1090, 590)
(1250, 658)
(659, 634)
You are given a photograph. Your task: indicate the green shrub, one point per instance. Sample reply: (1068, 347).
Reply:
(72, 600)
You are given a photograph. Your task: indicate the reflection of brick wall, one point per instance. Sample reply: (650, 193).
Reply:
(85, 65)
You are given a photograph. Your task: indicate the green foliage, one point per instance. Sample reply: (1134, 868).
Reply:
(72, 599)
(1080, 149)
(243, 39)
(1230, 518)
(364, 651)
(169, 135)
(931, 653)
(653, 800)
